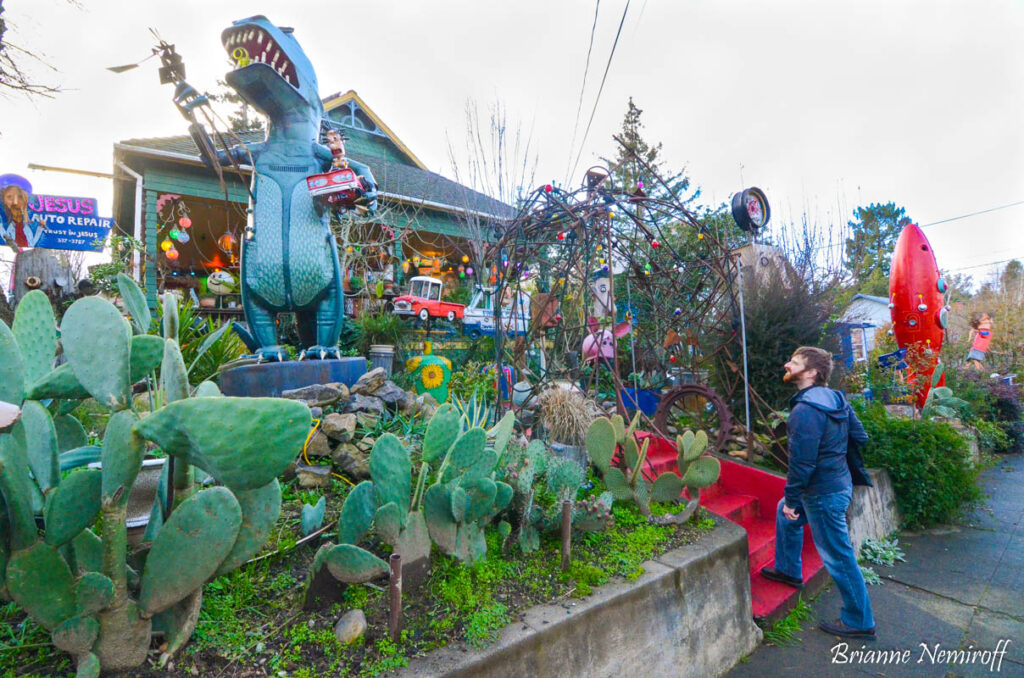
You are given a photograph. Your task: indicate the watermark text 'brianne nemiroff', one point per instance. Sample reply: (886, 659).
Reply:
(928, 654)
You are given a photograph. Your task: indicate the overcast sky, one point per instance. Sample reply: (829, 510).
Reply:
(824, 105)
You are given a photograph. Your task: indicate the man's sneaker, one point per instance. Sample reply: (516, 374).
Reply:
(775, 575)
(838, 628)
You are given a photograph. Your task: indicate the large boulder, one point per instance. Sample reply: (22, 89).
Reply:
(370, 382)
(352, 461)
(319, 445)
(363, 403)
(339, 427)
(393, 396)
(316, 395)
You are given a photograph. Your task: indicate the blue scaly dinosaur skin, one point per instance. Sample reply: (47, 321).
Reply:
(290, 262)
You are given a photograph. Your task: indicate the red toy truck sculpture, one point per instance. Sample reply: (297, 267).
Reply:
(424, 301)
(340, 187)
(917, 304)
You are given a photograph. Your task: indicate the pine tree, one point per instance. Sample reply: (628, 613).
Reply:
(869, 250)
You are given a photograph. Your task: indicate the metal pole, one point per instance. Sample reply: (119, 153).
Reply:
(743, 336)
(395, 595)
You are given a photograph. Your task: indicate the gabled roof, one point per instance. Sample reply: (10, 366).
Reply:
(869, 297)
(396, 181)
(334, 101)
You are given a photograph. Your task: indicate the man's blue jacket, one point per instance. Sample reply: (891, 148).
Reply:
(821, 428)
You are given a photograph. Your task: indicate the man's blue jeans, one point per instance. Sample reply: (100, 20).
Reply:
(826, 514)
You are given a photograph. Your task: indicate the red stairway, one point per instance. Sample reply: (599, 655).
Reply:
(748, 496)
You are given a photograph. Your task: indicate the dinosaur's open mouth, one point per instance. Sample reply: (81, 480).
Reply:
(248, 45)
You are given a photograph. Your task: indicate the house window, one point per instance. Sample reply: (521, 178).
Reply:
(859, 341)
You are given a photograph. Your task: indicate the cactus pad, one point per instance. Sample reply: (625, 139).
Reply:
(41, 444)
(135, 303)
(460, 502)
(70, 433)
(36, 332)
(481, 496)
(88, 552)
(565, 477)
(600, 442)
(630, 453)
(122, 455)
(357, 513)
(502, 433)
(147, 352)
(40, 581)
(17, 488)
(173, 374)
(667, 487)
(353, 565)
(503, 495)
(204, 526)
(312, 516)
(619, 426)
(387, 523)
(60, 383)
(414, 542)
(98, 348)
(76, 635)
(170, 319)
(260, 509)
(443, 429)
(93, 592)
(12, 368)
(437, 511)
(73, 507)
(616, 482)
(391, 471)
(208, 389)
(703, 472)
(242, 442)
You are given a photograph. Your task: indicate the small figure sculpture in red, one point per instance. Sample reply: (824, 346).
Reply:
(981, 335)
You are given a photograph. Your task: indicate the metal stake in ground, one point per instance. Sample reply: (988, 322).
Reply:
(566, 533)
(395, 595)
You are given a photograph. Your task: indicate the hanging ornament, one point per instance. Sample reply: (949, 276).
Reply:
(465, 259)
(185, 222)
(405, 266)
(599, 248)
(166, 245)
(174, 234)
(700, 236)
(227, 242)
(462, 269)
(655, 244)
(172, 254)
(678, 311)
(348, 250)
(601, 261)
(548, 188)
(561, 235)
(647, 269)
(462, 274)
(469, 270)
(183, 236)
(493, 279)
(672, 358)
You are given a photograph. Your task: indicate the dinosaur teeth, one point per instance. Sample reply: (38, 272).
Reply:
(259, 38)
(277, 55)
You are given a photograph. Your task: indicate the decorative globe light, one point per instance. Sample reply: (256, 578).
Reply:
(469, 270)
(174, 234)
(465, 259)
(185, 222)
(166, 245)
(172, 254)
(183, 236)
(228, 242)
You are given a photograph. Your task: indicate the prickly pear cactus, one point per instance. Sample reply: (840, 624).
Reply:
(76, 583)
(696, 470)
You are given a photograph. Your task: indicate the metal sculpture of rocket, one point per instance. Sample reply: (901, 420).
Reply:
(917, 305)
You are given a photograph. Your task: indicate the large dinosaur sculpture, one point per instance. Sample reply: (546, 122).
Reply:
(289, 259)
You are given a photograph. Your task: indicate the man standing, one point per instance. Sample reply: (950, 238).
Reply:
(819, 487)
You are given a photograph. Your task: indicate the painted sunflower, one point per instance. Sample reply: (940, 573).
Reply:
(412, 363)
(432, 376)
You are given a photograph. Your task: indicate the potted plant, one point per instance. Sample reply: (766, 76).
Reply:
(378, 335)
(565, 413)
(643, 392)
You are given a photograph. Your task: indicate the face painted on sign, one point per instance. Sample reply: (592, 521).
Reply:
(15, 201)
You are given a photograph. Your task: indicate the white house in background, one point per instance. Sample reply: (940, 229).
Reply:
(863, 319)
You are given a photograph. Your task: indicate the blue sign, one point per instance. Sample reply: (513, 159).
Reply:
(58, 223)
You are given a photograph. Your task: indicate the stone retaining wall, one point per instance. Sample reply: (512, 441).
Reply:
(873, 512)
(688, 615)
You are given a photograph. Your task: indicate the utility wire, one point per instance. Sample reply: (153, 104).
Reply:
(601, 88)
(972, 214)
(579, 106)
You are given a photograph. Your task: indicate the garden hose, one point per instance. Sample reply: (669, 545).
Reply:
(305, 457)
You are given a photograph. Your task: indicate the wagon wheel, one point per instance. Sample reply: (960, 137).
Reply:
(694, 407)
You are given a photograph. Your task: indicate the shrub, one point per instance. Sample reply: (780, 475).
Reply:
(928, 462)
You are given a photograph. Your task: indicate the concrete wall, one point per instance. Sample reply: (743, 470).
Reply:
(873, 511)
(688, 615)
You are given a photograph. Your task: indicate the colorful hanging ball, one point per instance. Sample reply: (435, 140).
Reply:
(493, 279)
(465, 259)
(228, 242)
(655, 244)
(561, 235)
(700, 236)
(185, 222)
(174, 234)
(672, 358)
(548, 188)
(172, 254)
(462, 269)
(558, 318)
(678, 311)
(469, 270)
(611, 215)
(639, 184)
(348, 250)
(166, 245)
(601, 261)
(183, 237)
(462, 274)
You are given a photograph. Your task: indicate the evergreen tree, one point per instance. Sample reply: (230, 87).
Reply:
(869, 250)
(628, 171)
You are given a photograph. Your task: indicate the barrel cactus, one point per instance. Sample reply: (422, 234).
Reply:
(696, 470)
(80, 585)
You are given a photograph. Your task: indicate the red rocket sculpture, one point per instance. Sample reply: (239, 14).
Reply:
(917, 304)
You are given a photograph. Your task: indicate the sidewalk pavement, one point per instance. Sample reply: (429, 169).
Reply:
(961, 588)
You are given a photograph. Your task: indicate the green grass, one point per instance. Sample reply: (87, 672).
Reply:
(783, 632)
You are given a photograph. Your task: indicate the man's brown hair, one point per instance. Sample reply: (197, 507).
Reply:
(816, 359)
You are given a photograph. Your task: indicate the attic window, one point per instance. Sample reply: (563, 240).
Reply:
(349, 114)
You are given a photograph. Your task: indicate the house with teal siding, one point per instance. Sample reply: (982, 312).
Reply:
(164, 185)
